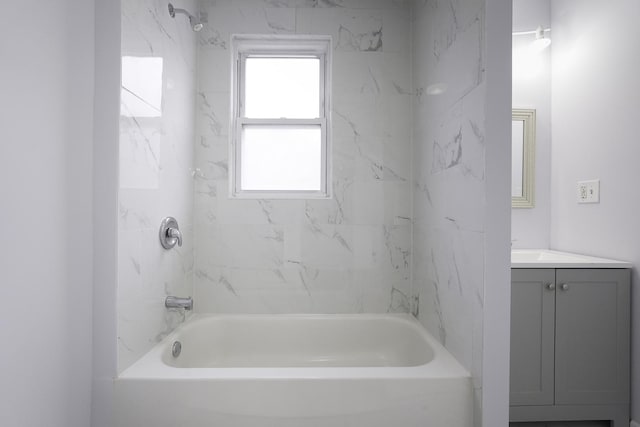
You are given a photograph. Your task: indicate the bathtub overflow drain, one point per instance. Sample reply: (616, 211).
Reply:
(176, 348)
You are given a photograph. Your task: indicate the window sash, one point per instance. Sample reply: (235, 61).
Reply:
(237, 190)
(241, 68)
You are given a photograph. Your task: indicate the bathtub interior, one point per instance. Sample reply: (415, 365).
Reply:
(298, 341)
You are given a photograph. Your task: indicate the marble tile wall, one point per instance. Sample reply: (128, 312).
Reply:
(449, 177)
(352, 253)
(348, 254)
(156, 163)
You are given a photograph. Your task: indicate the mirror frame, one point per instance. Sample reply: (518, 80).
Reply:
(528, 117)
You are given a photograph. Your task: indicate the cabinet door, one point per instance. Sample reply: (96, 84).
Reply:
(592, 336)
(532, 337)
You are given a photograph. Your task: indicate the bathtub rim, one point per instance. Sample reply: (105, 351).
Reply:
(443, 365)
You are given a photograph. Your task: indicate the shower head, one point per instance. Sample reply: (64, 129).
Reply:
(196, 23)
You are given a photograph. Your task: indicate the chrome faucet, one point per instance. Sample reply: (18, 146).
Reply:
(177, 302)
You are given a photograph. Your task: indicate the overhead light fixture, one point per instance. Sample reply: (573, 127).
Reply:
(541, 42)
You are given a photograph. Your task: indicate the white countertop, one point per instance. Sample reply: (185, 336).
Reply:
(545, 258)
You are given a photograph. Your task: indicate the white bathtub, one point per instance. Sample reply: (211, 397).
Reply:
(296, 371)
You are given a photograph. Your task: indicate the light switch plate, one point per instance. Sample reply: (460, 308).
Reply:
(589, 191)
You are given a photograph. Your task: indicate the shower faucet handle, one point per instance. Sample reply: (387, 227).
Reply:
(176, 234)
(170, 233)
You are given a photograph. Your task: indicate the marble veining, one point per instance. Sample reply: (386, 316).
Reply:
(208, 115)
(449, 155)
(156, 166)
(369, 41)
(350, 253)
(213, 38)
(448, 184)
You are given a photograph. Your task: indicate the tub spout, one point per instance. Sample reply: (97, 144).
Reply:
(177, 302)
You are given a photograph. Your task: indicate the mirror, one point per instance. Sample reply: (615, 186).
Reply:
(523, 146)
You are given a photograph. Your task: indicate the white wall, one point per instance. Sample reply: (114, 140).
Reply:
(46, 81)
(595, 113)
(105, 209)
(348, 254)
(532, 89)
(497, 271)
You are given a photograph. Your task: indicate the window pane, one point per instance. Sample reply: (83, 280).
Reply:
(281, 158)
(282, 88)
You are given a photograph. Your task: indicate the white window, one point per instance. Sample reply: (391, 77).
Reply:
(280, 120)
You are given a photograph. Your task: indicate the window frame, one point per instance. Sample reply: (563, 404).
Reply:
(244, 46)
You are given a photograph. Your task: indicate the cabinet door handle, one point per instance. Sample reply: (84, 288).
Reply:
(564, 287)
(551, 286)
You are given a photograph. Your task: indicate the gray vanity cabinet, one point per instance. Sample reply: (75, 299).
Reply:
(570, 344)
